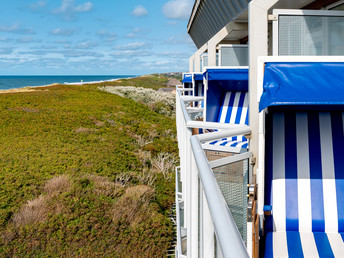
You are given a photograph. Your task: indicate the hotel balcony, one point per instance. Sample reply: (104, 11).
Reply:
(260, 122)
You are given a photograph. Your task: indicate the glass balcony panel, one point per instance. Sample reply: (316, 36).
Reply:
(232, 180)
(310, 35)
(234, 56)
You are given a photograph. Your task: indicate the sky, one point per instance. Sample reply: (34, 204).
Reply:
(94, 37)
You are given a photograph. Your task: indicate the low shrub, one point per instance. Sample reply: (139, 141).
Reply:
(68, 156)
(160, 102)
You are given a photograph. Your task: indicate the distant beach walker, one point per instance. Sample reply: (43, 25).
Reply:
(15, 82)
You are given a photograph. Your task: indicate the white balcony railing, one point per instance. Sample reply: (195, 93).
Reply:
(209, 229)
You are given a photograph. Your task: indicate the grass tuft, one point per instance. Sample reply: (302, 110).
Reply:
(133, 206)
(33, 212)
(57, 185)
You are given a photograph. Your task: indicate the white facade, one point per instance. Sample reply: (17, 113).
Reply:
(268, 28)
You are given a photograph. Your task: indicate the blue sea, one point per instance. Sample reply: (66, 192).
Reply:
(14, 82)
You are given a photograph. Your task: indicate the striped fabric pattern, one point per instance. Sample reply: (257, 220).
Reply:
(234, 110)
(305, 183)
(304, 244)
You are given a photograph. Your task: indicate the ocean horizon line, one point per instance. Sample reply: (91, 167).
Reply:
(21, 81)
(59, 75)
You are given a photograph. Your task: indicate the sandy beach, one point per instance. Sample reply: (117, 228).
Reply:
(26, 89)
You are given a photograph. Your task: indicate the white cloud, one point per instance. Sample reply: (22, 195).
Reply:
(173, 54)
(134, 33)
(61, 41)
(68, 9)
(178, 9)
(85, 7)
(130, 53)
(4, 39)
(28, 40)
(62, 32)
(132, 46)
(165, 62)
(179, 39)
(138, 33)
(45, 47)
(37, 6)
(76, 53)
(16, 29)
(87, 44)
(131, 35)
(139, 11)
(108, 36)
(67, 53)
(6, 50)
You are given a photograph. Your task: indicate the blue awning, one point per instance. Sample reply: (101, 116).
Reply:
(198, 76)
(187, 78)
(231, 79)
(303, 83)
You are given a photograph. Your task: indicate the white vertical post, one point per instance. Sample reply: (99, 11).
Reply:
(194, 208)
(191, 63)
(197, 67)
(212, 53)
(188, 206)
(258, 46)
(200, 219)
(261, 162)
(178, 122)
(184, 170)
(182, 157)
(195, 59)
(208, 230)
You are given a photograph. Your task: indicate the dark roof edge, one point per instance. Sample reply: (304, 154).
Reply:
(193, 13)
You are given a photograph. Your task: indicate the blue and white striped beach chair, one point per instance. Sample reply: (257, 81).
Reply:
(227, 102)
(304, 159)
(305, 184)
(234, 110)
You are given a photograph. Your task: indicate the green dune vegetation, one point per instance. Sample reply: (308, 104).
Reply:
(86, 172)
